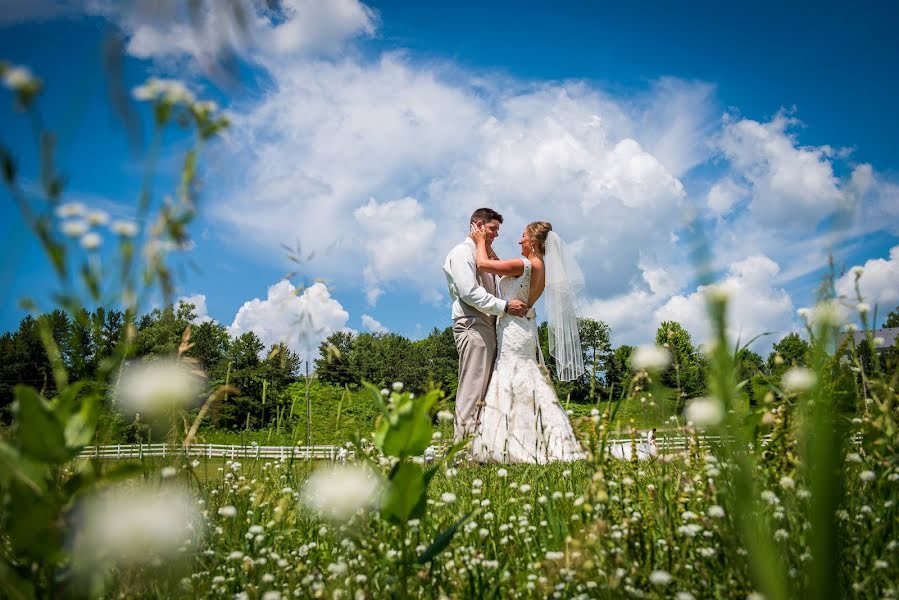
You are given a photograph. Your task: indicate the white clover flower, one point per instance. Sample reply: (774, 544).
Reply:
(787, 482)
(229, 512)
(828, 314)
(867, 476)
(91, 240)
(338, 491)
(684, 596)
(235, 555)
(168, 472)
(98, 217)
(863, 307)
(19, 78)
(167, 90)
(804, 313)
(132, 525)
(799, 379)
(271, 594)
(660, 578)
(448, 497)
(155, 387)
(705, 412)
(651, 358)
(781, 534)
(74, 229)
(397, 386)
(502, 472)
(70, 209)
(525, 488)
(854, 457)
(445, 415)
(858, 271)
(125, 228)
(879, 341)
(770, 497)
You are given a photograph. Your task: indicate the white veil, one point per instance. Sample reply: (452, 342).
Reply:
(564, 290)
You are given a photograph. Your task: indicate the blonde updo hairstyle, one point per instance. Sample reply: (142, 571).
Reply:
(537, 232)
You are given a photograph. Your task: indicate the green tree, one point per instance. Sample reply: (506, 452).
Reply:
(159, 333)
(620, 372)
(596, 340)
(437, 362)
(244, 409)
(332, 365)
(23, 360)
(382, 358)
(749, 366)
(210, 348)
(790, 351)
(892, 319)
(688, 367)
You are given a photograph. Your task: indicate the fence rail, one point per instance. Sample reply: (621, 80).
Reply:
(664, 444)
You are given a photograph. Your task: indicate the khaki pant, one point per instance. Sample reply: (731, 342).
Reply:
(476, 342)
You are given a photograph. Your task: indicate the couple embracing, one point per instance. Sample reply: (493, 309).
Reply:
(505, 401)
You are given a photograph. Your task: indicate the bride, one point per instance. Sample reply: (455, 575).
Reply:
(521, 420)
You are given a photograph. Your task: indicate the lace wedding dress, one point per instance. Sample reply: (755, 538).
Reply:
(521, 420)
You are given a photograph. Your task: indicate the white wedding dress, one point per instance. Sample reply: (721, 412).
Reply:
(521, 420)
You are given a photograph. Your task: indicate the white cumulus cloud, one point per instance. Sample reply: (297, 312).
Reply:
(199, 302)
(301, 320)
(879, 284)
(373, 325)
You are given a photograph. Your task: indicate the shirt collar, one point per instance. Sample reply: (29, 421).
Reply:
(470, 242)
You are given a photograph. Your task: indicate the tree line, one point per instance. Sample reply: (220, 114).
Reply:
(263, 375)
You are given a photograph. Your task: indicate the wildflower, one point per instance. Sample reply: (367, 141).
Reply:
(483, 532)
(854, 457)
(501, 472)
(881, 564)
(858, 271)
(91, 241)
(651, 358)
(799, 379)
(660, 578)
(98, 217)
(552, 555)
(124, 228)
(716, 512)
(74, 229)
(132, 525)
(397, 386)
(787, 482)
(70, 209)
(705, 412)
(337, 491)
(168, 472)
(863, 307)
(228, 511)
(448, 497)
(20, 79)
(781, 534)
(684, 596)
(170, 91)
(879, 341)
(867, 476)
(235, 555)
(156, 386)
(770, 497)
(477, 483)
(445, 415)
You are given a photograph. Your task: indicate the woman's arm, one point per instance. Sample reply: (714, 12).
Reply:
(513, 267)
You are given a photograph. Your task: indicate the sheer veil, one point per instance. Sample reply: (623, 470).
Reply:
(564, 292)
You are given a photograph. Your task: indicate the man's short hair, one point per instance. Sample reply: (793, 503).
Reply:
(486, 214)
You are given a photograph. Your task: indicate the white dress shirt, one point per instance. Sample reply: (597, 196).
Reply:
(468, 294)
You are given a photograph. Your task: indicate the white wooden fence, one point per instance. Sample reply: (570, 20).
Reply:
(665, 445)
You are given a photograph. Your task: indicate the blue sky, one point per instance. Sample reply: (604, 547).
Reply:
(369, 131)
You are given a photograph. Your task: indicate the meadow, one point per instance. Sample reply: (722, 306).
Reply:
(794, 496)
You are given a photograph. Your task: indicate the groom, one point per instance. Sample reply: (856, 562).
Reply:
(475, 308)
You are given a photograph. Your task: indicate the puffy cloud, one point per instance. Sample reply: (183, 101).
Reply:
(879, 283)
(301, 320)
(724, 194)
(790, 184)
(199, 302)
(373, 324)
(755, 305)
(168, 33)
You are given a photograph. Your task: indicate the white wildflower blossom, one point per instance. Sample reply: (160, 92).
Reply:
(787, 482)
(228, 511)
(854, 457)
(867, 476)
(19, 78)
(858, 271)
(124, 228)
(660, 578)
(799, 379)
(651, 358)
(781, 534)
(156, 386)
(70, 209)
(98, 217)
(445, 415)
(863, 307)
(74, 229)
(91, 240)
(716, 512)
(338, 491)
(448, 497)
(168, 472)
(705, 412)
(133, 525)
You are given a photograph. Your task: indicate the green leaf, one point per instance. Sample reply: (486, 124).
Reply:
(407, 431)
(15, 586)
(40, 435)
(407, 494)
(80, 427)
(442, 541)
(15, 467)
